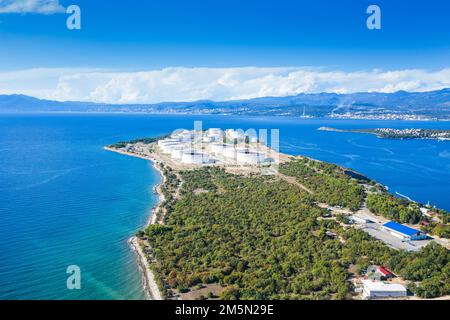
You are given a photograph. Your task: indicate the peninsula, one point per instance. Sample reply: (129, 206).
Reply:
(239, 220)
(389, 133)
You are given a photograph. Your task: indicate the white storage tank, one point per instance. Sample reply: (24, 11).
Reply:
(215, 134)
(217, 148)
(177, 152)
(168, 141)
(183, 135)
(233, 134)
(229, 151)
(247, 156)
(167, 148)
(216, 137)
(214, 131)
(207, 139)
(194, 157)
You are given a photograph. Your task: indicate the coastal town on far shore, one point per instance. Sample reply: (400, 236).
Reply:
(389, 133)
(246, 154)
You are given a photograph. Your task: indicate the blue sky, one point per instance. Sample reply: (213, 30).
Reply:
(136, 35)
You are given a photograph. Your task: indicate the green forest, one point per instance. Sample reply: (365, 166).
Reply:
(262, 238)
(394, 208)
(123, 144)
(328, 182)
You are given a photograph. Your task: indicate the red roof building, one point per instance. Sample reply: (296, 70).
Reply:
(385, 272)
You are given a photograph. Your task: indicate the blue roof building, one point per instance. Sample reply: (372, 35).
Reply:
(403, 232)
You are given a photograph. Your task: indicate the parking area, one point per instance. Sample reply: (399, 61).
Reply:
(375, 230)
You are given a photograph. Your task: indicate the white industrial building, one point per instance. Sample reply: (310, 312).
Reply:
(194, 157)
(403, 232)
(379, 289)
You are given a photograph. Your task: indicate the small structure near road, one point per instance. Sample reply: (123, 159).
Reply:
(360, 219)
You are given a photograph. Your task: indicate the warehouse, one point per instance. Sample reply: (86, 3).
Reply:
(378, 289)
(403, 232)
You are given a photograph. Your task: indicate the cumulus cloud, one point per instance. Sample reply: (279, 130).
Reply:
(31, 6)
(189, 84)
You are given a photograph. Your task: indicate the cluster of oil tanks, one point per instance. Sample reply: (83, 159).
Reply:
(240, 155)
(179, 147)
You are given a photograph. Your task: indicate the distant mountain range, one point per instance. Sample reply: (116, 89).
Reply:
(431, 105)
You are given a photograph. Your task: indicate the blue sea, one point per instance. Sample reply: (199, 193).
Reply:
(66, 201)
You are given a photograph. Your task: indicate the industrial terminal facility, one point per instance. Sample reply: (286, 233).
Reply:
(214, 146)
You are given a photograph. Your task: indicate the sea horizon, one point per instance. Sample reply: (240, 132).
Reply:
(65, 200)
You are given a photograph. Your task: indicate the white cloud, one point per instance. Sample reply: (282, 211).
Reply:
(31, 6)
(188, 84)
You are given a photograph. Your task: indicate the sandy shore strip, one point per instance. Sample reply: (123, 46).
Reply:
(150, 287)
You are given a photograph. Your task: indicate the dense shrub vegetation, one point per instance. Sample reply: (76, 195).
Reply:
(327, 181)
(393, 208)
(260, 238)
(123, 144)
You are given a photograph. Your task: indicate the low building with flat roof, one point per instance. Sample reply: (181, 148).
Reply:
(403, 232)
(378, 289)
(360, 219)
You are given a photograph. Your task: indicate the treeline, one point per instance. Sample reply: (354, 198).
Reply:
(168, 189)
(394, 208)
(123, 144)
(328, 182)
(260, 239)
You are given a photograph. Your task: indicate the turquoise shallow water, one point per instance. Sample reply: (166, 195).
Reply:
(64, 200)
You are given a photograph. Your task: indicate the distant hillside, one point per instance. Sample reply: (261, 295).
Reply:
(398, 105)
